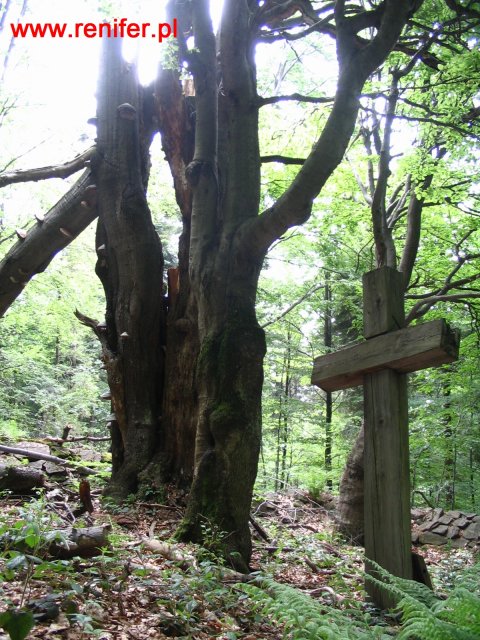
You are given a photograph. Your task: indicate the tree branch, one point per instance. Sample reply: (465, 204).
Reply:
(293, 305)
(294, 206)
(44, 173)
(202, 172)
(417, 311)
(462, 10)
(31, 255)
(382, 233)
(360, 184)
(282, 159)
(298, 97)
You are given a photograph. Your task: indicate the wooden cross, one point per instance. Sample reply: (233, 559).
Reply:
(381, 363)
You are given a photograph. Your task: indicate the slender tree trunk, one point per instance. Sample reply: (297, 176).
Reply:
(285, 411)
(230, 375)
(472, 478)
(174, 113)
(448, 433)
(328, 395)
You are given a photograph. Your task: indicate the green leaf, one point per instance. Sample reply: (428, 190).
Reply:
(17, 623)
(17, 562)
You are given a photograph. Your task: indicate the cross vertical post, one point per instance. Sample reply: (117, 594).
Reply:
(386, 461)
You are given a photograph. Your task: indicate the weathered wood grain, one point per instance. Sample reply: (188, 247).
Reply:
(426, 345)
(386, 456)
(383, 309)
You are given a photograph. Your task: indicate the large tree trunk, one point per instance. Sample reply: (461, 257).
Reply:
(174, 113)
(225, 179)
(350, 518)
(130, 267)
(230, 375)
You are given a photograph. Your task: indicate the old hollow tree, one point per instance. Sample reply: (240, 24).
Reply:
(185, 375)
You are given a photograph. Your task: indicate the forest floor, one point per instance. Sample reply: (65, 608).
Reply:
(137, 589)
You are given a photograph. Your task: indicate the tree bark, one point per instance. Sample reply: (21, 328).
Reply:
(350, 501)
(129, 265)
(224, 276)
(176, 121)
(31, 255)
(20, 479)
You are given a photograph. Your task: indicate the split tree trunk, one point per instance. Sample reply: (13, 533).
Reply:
(176, 122)
(130, 267)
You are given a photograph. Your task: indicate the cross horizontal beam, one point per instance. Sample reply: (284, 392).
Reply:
(426, 345)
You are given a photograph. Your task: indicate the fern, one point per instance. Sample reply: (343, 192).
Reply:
(304, 618)
(427, 617)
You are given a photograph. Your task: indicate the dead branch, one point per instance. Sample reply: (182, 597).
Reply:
(62, 441)
(86, 542)
(282, 159)
(295, 97)
(167, 551)
(32, 254)
(306, 295)
(35, 455)
(259, 529)
(44, 173)
(153, 505)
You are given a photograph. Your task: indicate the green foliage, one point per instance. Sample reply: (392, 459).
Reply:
(427, 617)
(49, 365)
(17, 624)
(304, 618)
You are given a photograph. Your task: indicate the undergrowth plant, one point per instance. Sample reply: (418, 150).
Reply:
(425, 616)
(26, 534)
(306, 619)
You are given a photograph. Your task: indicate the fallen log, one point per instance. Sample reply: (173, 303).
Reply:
(86, 542)
(35, 455)
(20, 479)
(62, 441)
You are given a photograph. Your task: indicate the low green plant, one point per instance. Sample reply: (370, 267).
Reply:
(17, 624)
(425, 616)
(213, 543)
(304, 618)
(25, 536)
